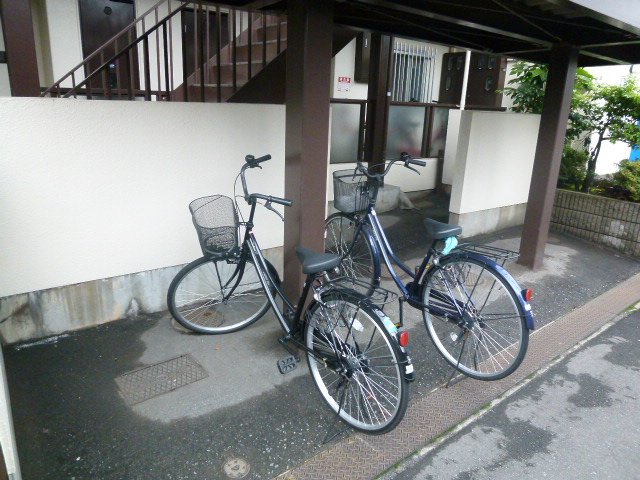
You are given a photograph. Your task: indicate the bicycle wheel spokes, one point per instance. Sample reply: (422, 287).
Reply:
(475, 319)
(355, 366)
(213, 296)
(357, 260)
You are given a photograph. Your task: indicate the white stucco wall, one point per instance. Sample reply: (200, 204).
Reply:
(63, 20)
(343, 65)
(494, 160)
(451, 146)
(90, 190)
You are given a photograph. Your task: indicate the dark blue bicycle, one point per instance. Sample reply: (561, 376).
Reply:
(356, 355)
(476, 314)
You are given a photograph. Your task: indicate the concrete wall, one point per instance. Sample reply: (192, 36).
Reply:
(492, 170)
(99, 190)
(605, 221)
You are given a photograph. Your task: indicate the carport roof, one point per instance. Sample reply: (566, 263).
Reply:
(607, 32)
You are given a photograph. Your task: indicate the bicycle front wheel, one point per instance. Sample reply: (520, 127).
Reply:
(356, 364)
(358, 263)
(474, 318)
(215, 296)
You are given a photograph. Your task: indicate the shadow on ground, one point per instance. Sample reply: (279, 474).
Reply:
(71, 421)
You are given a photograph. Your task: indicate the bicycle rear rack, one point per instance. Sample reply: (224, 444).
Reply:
(379, 296)
(498, 255)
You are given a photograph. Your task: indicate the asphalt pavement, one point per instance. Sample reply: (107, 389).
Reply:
(578, 418)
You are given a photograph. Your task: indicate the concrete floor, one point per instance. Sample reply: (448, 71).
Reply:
(578, 419)
(71, 421)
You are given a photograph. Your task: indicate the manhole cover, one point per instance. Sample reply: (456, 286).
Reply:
(236, 468)
(154, 380)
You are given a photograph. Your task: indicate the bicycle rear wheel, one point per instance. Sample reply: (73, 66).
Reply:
(214, 296)
(474, 318)
(359, 263)
(356, 364)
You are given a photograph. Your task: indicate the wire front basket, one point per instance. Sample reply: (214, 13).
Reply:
(350, 193)
(216, 221)
(498, 255)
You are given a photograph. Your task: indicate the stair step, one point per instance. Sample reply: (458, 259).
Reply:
(272, 30)
(242, 51)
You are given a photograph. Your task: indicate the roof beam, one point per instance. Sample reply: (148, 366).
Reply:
(392, 6)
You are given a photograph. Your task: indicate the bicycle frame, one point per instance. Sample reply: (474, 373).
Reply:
(411, 291)
(372, 227)
(269, 283)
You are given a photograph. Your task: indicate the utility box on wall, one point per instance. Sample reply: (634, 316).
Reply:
(363, 53)
(485, 81)
(451, 78)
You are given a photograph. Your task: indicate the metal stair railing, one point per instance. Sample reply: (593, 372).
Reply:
(114, 71)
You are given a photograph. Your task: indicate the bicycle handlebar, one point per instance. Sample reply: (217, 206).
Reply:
(404, 157)
(252, 162)
(270, 199)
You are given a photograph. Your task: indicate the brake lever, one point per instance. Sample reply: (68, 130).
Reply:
(268, 206)
(411, 168)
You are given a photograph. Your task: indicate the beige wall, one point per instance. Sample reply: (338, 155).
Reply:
(494, 160)
(90, 190)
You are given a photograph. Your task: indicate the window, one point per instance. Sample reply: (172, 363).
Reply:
(413, 73)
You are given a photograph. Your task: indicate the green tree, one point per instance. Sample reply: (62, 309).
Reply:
(608, 111)
(573, 168)
(628, 178)
(527, 92)
(612, 116)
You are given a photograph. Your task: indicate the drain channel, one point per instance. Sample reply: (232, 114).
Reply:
(154, 380)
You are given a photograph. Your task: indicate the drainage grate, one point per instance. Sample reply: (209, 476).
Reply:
(154, 380)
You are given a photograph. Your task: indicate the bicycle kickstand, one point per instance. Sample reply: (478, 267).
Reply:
(332, 431)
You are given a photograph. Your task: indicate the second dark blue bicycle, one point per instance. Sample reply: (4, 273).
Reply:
(476, 314)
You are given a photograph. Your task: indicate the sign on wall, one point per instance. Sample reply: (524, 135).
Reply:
(344, 84)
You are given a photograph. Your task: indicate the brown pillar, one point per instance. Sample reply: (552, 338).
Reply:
(546, 165)
(378, 99)
(309, 37)
(20, 46)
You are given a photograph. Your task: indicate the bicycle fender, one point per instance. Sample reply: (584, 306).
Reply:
(409, 373)
(528, 314)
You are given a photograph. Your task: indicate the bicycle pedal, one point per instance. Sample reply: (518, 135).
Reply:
(287, 364)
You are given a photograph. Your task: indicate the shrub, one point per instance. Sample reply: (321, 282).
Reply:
(627, 179)
(573, 168)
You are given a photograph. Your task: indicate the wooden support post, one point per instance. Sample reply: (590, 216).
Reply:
(546, 165)
(20, 46)
(308, 85)
(378, 99)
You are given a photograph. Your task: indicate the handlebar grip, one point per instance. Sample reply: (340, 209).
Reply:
(268, 198)
(251, 160)
(421, 163)
(281, 201)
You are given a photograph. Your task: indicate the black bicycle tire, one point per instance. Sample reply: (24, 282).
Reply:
(449, 358)
(389, 340)
(173, 309)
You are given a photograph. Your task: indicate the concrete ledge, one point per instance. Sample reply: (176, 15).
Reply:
(39, 314)
(487, 221)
